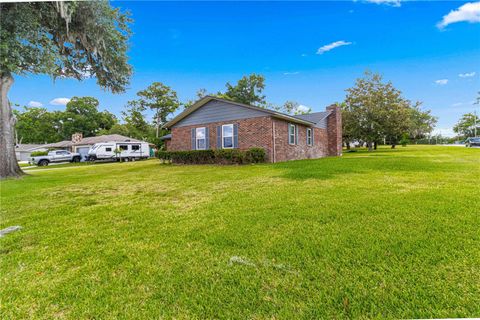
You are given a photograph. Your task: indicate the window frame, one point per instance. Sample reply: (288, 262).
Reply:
(108, 149)
(198, 139)
(123, 147)
(291, 125)
(309, 137)
(223, 136)
(137, 146)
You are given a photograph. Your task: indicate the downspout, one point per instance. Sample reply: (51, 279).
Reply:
(273, 138)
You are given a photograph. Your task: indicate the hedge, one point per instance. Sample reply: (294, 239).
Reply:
(38, 153)
(221, 156)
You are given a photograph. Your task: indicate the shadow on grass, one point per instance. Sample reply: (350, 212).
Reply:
(327, 168)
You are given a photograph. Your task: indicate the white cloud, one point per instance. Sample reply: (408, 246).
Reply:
(332, 46)
(394, 3)
(59, 101)
(467, 75)
(445, 132)
(35, 104)
(457, 104)
(469, 12)
(290, 73)
(441, 82)
(303, 108)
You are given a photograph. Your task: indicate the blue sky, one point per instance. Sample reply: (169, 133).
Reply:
(309, 52)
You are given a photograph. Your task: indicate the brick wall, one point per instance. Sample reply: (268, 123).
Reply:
(258, 132)
(285, 151)
(334, 131)
(253, 132)
(167, 144)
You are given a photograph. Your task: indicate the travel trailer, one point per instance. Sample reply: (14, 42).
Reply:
(119, 151)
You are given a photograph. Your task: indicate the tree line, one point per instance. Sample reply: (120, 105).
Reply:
(373, 112)
(38, 125)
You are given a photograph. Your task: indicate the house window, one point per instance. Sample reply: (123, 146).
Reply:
(227, 136)
(123, 147)
(135, 147)
(200, 138)
(292, 134)
(309, 136)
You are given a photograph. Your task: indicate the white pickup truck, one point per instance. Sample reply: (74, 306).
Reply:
(56, 156)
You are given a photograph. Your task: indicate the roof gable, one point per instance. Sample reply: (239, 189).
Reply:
(217, 111)
(223, 110)
(106, 138)
(319, 118)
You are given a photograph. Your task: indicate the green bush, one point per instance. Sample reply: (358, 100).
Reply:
(256, 155)
(38, 153)
(221, 156)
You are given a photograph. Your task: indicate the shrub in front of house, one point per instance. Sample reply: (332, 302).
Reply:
(256, 155)
(221, 156)
(38, 153)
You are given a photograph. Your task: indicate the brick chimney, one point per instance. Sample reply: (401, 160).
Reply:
(334, 130)
(77, 137)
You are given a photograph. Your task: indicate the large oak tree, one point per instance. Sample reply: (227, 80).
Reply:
(61, 39)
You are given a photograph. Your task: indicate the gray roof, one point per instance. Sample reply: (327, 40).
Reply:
(207, 99)
(106, 138)
(166, 137)
(319, 118)
(28, 147)
(61, 144)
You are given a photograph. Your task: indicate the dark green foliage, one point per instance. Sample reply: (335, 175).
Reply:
(38, 153)
(221, 156)
(188, 157)
(256, 155)
(82, 115)
(37, 125)
(66, 39)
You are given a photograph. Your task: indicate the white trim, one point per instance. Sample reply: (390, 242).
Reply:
(291, 125)
(223, 140)
(204, 138)
(311, 137)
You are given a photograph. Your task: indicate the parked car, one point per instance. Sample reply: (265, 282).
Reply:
(119, 151)
(55, 156)
(472, 142)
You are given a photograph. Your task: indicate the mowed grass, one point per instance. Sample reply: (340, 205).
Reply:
(388, 234)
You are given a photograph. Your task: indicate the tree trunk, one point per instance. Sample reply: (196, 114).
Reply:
(369, 145)
(8, 161)
(158, 126)
(393, 146)
(375, 145)
(347, 144)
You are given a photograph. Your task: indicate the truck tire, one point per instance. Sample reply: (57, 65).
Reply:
(43, 163)
(76, 159)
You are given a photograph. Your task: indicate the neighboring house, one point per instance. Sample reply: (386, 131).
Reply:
(214, 123)
(23, 151)
(81, 145)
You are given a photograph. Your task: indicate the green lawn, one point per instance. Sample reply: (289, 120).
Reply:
(389, 234)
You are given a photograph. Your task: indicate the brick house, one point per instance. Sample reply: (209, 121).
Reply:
(214, 123)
